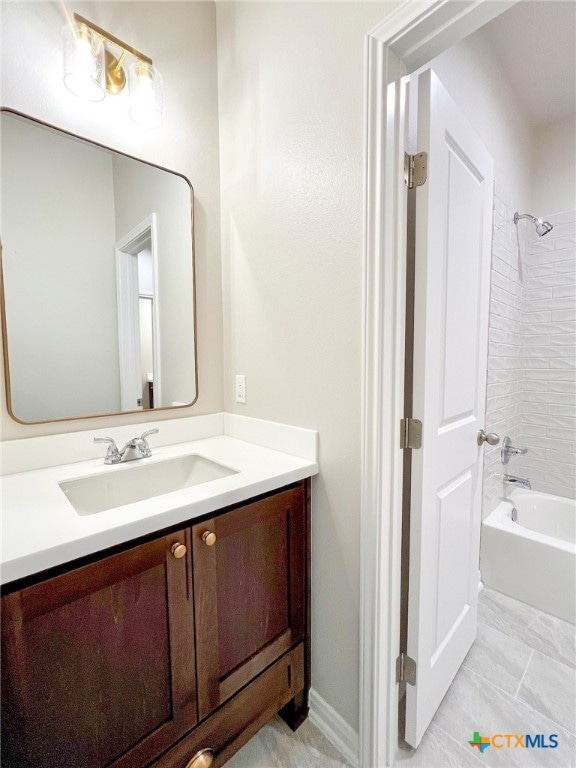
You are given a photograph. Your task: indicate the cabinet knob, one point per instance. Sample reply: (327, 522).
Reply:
(178, 550)
(202, 759)
(209, 538)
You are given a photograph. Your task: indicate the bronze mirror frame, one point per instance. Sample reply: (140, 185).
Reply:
(3, 322)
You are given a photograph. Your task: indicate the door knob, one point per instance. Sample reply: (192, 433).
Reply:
(209, 538)
(178, 550)
(491, 438)
(202, 759)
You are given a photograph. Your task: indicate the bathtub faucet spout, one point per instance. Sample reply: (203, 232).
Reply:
(523, 482)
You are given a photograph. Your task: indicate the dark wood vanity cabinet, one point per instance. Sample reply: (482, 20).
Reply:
(190, 641)
(249, 592)
(98, 663)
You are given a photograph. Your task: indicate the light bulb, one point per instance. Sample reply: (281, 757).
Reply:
(83, 62)
(145, 99)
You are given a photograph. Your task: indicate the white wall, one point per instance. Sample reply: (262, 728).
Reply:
(139, 191)
(60, 273)
(554, 168)
(181, 38)
(145, 272)
(472, 76)
(291, 90)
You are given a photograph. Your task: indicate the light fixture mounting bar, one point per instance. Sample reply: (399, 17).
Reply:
(114, 40)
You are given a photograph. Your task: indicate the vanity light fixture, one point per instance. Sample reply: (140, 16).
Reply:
(94, 63)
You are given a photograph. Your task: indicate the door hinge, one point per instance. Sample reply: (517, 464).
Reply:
(415, 169)
(405, 669)
(410, 433)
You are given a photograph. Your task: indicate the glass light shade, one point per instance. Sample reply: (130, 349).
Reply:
(84, 71)
(145, 100)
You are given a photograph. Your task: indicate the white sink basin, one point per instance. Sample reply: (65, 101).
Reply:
(126, 484)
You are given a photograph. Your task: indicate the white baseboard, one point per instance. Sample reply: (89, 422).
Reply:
(334, 727)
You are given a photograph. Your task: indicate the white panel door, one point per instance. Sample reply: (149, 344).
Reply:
(453, 238)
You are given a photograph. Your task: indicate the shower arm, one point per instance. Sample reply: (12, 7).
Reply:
(533, 219)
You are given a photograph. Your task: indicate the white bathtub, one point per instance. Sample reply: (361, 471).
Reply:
(534, 558)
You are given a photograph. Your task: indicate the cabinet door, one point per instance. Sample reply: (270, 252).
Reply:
(249, 590)
(98, 664)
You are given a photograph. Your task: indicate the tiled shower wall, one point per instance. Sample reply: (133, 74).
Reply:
(503, 407)
(548, 398)
(531, 359)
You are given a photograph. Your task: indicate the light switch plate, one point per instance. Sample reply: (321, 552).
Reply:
(240, 388)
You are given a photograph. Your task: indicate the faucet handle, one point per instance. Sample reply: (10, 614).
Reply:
(112, 454)
(106, 440)
(508, 450)
(142, 444)
(148, 432)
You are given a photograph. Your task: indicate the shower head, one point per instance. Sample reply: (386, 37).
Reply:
(542, 227)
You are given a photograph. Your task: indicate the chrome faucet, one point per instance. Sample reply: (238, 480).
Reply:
(508, 450)
(136, 448)
(522, 482)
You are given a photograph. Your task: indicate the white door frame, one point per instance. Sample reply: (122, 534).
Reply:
(127, 284)
(409, 37)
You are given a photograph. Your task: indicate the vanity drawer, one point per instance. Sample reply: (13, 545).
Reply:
(231, 726)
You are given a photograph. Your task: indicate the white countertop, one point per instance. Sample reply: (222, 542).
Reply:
(41, 529)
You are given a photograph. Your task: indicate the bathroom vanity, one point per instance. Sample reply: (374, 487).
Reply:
(156, 610)
(168, 649)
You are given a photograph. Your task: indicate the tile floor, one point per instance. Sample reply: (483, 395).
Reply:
(276, 746)
(519, 677)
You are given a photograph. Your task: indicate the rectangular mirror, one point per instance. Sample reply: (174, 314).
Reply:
(97, 278)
